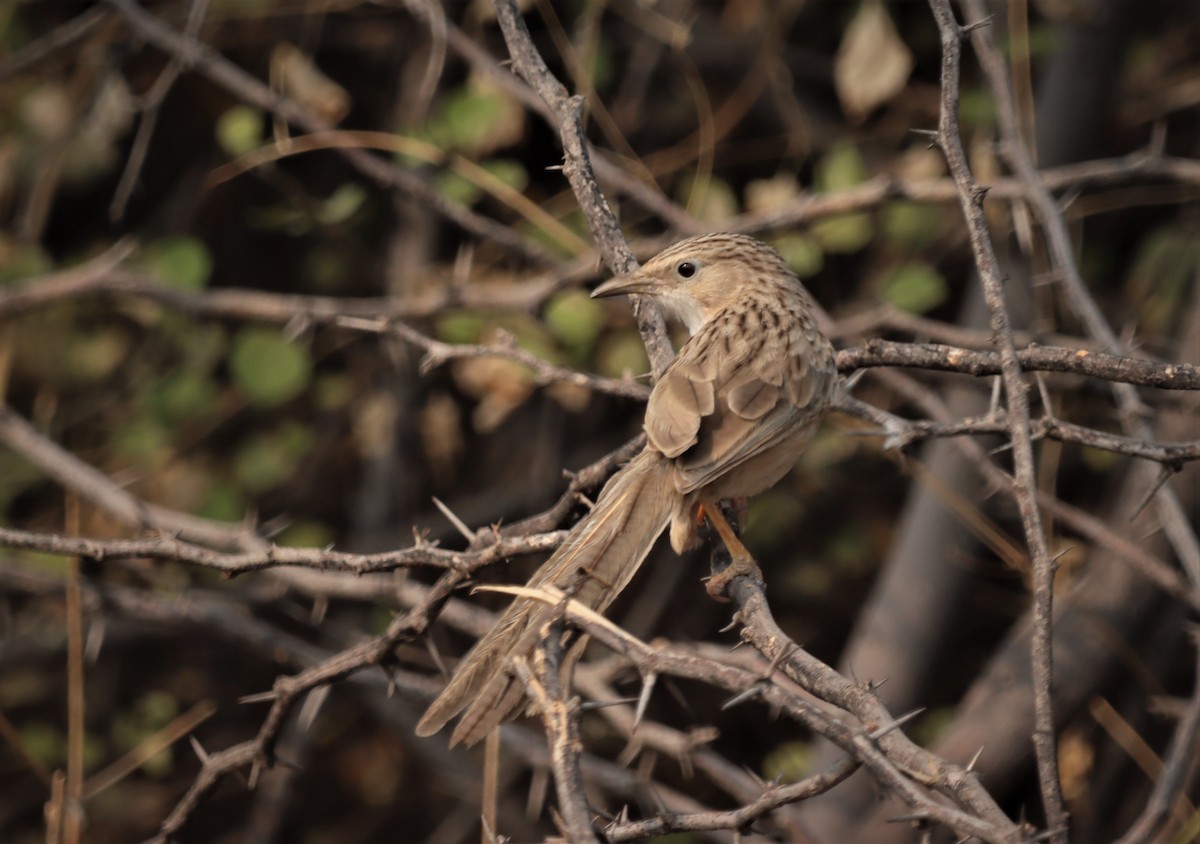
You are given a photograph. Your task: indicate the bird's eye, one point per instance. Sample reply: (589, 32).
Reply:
(686, 270)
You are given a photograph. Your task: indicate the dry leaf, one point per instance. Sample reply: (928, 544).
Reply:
(872, 63)
(766, 195)
(295, 75)
(500, 386)
(440, 427)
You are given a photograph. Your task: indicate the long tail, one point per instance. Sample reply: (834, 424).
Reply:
(607, 547)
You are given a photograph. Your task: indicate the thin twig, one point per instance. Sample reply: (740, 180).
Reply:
(971, 199)
(241, 84)
(577, 167)
(1176, 522)
(560, 715)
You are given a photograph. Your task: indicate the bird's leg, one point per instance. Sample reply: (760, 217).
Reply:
(741, 561)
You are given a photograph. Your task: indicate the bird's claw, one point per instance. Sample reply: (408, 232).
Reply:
(718, 582)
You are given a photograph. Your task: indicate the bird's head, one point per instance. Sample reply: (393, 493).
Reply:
(700, 276)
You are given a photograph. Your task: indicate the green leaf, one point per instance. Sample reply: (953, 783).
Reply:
(267, 368)
(802, 253)
(789, 762)
(142, 441)
(325, 268)
(184, 396)
(94, 355)
(976, 108)
(224, 502)
(306, 534)
(841, 167)
(460, 327)
(508, 171)
(1099, 460)
(1160, 277)
(268, 460)
(181, 261)
(44, 742)
(911, 225)
(532, 336)
(153, 711)
(711, 200)
(460, 189)
(457, 188)
(916, 287)
(333, 391)
(465, 119)
(19, 261)
(240, 129)
(622, 353)
(843, 234)
(342, 204)
(575, 319)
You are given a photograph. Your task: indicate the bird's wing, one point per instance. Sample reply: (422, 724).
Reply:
(730, 394)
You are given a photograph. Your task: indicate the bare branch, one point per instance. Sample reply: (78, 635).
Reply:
(971, 196)
(568, 112)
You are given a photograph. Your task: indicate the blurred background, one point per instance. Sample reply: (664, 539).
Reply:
(195, 362)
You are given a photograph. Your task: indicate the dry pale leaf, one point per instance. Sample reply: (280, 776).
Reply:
(295, 75)
(766, 195)
(872, 63)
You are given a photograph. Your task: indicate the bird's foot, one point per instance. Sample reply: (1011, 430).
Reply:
(718, 582)
(741, 561)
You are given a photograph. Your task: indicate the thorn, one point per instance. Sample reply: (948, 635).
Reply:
(994, 405)
(784, 654)
(1158, 139)
(260, 697)
(740, 698)
(463, 261)
(967, 29)
(913, 817)
(1069, 197)
(593, 705)
(896, 724)
(644, 698)
(975, 758)
(1164, 475)
(199, 750)
(284, 762)
(435, 654)
(313, 702)
(1056, 557)
(320, 607)
(851, 380)
(1000, 449)
(389, 674)
(1047, 404)
(759, 782)
(297, 327)
(458, 523)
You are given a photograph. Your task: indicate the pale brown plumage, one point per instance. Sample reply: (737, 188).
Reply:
(727, 419)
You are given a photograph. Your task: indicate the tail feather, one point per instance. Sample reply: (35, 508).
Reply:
(606, 547)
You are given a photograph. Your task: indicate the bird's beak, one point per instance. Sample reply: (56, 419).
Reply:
(634, 283)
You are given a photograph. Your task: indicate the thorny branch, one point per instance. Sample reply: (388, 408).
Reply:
(871, 737)
(1024, 476)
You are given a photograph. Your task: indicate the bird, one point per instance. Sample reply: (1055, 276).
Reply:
(727, 419)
